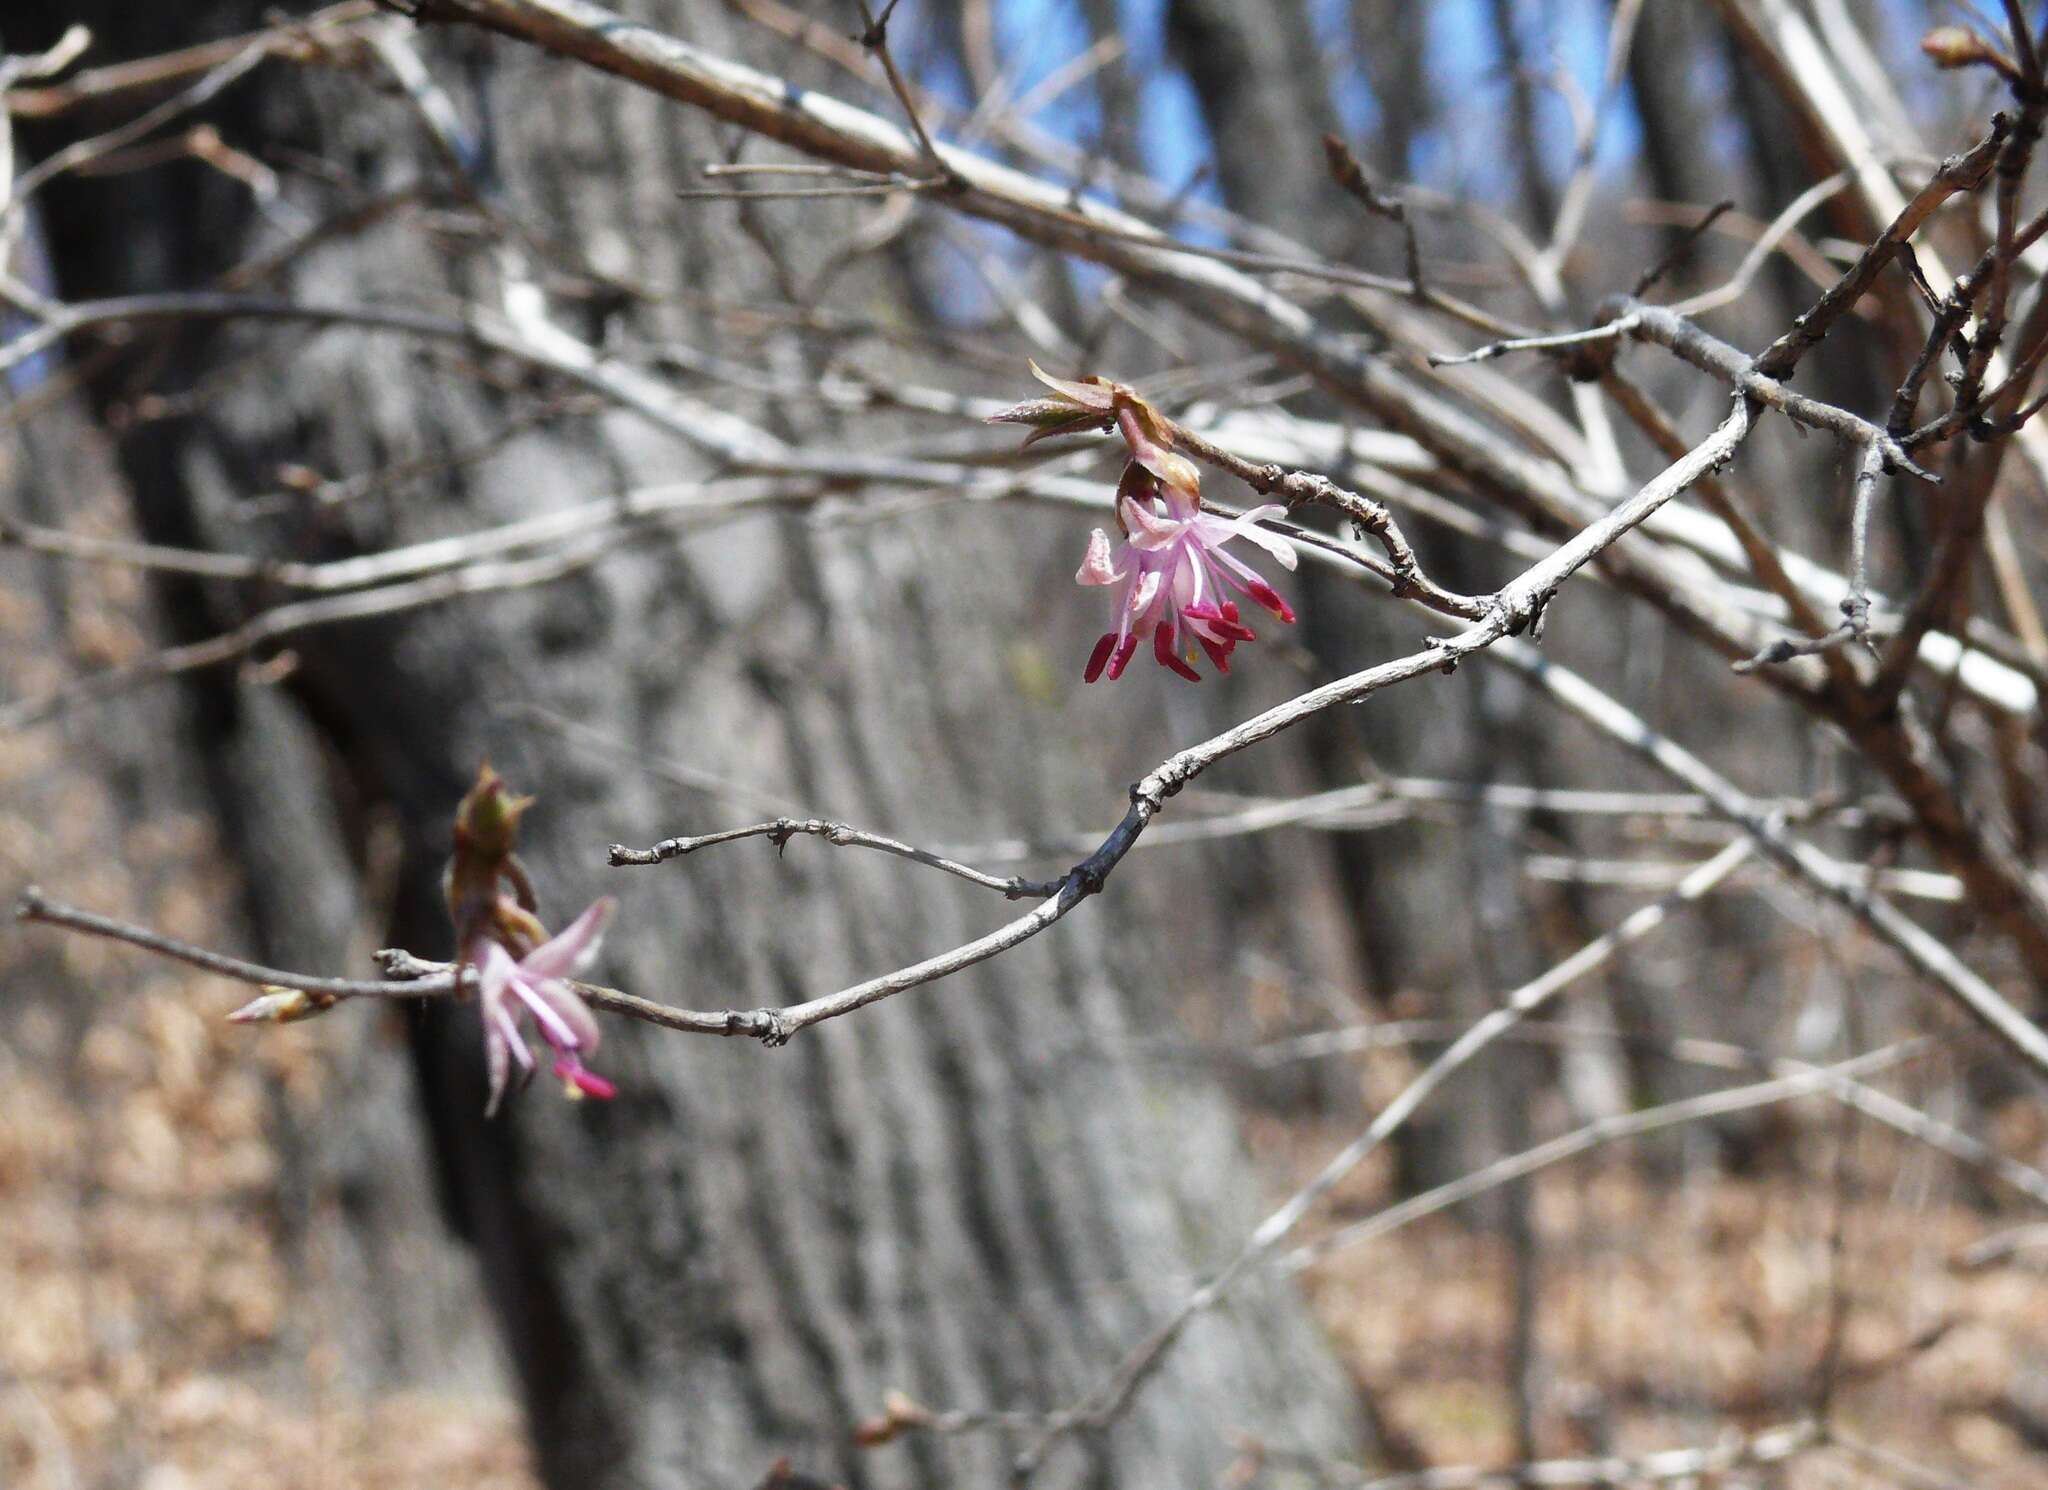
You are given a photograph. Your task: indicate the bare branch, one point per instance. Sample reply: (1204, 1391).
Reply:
(32, 905)
(1965, 172)
(1729, 1453)
(1921, 950)
(1591, 1136)
(1108, 1402)
(874, 37)
(782, 829)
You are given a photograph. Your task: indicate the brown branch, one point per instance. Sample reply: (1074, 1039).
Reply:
(1350, 176)
(874, 37)
(149, 74)
(1677, 252)
(1965, 172)
(1299, 487)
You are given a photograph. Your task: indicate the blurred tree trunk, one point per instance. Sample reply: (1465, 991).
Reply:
(1664, 74)
(972, 1194)
(1539, 201)
(1263, 89)
(1390, 39)
(1265, 92)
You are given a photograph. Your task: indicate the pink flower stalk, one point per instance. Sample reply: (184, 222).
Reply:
(1176, 580)
(536, 984)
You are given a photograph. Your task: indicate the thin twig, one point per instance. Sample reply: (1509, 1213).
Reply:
(1592, 1135)
(1729, 1453)
(782, 829)
(874, 37)
(1676, 254)
(1350, 175)
(1297, 487)
(1965, 172)
(1108, 1401)
(1846, 887)
(32, 905)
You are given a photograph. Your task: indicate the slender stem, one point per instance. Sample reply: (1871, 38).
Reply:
(782, 829)
(34, 906)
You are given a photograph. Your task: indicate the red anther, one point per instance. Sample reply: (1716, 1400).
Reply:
(1122, 659)
(585, 1080)
(1162, 648)
(1099, 657)
(1270, 599)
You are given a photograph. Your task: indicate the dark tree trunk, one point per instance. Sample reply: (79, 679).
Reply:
(1265, 93)
(1390, 40)
(1262, 91)
(974, 1194)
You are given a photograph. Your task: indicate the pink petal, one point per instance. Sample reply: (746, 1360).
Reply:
(1252, 585)
(1144, 592)
(568, 1006)
(503, 1044)
(1149, 531)
(498, 1065)
(494, 970)
(1100, 566)
(507, 1030)
(1277, 544)
(1217, 531)
(547, 1012)
(569, 953)
(1181, 489)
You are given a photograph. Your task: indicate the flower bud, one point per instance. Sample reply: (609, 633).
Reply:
(283, 1006)
(1049, 417)
(487, 821)
(1958, 46)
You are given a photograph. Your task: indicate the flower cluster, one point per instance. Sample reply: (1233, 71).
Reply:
(1174, 581)
(521, 970)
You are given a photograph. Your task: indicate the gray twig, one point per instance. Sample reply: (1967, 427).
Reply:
(782, 829)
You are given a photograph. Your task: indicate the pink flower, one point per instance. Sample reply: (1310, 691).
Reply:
(536, 983)
(1175, 578)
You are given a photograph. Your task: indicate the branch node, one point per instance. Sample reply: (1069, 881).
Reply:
(766, 1025)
